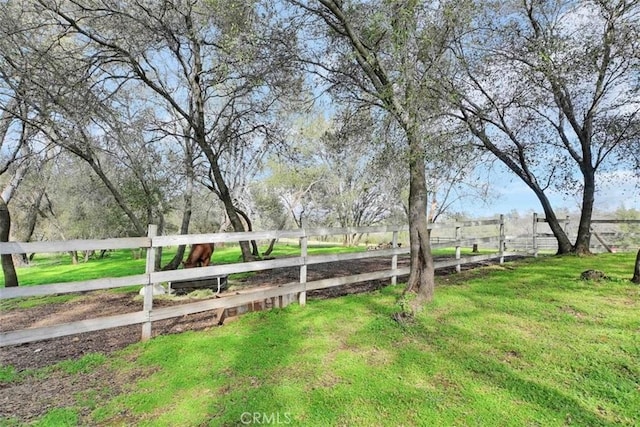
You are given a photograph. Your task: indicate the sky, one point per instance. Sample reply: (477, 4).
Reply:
(617, 189)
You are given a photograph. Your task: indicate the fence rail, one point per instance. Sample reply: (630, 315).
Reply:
(546, 240)
(279, 295)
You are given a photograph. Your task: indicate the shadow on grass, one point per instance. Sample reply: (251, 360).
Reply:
(456, 345)
(499, 375)
(265, 350)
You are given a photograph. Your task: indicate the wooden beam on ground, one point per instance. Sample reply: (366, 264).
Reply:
(602, 242)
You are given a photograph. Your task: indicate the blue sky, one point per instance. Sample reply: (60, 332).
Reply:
(617, 189)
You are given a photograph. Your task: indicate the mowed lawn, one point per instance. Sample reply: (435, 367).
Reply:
(524, 344)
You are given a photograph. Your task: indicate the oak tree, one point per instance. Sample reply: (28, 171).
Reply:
(550, 89)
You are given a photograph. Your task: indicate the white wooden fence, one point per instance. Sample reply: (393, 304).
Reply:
(607, 240)
(279, 295)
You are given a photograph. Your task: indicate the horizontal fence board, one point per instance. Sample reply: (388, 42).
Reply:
(240, 298)
(225, 301)
(173, 240)
(465, 242)
(257, 294)
(36, 334)
(73, 245)
(331, 231)
(355, 278)
(64, 288)
(322, 259)
(456, 224)
(188, 239)
(473, 240)
(615, 221)
(466, 260)
(224, 269)
(598, 221)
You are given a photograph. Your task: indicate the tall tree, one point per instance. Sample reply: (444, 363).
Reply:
(63, 100)
(211, 63)
(353, 190)
(550, 89)
(383, 53)
(14, 162)
(14, 133)
(295, 173)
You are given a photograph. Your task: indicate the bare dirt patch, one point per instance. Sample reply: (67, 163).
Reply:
(34, 396)
(105, 303)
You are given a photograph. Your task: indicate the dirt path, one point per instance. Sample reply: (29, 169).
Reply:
(105, 303)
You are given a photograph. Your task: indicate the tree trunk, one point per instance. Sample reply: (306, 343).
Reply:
(200, 137)
(254, 245)
(421, 278)
(32, 216)
(273, 241)
(9, 270)
(157, 262)
(404, 108)
(34, 209)
(31, 221)
(583, 239)
(636, 271)
(225, 197)
(140, 229)
(564, 244)
(188, 204)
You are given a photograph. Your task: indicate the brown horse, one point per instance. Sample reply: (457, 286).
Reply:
(200, 255)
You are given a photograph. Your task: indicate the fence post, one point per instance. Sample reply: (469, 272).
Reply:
(458, 237)
(148, 287)
(535, 234)
(302, 297)
(394, 258)
(501, 239)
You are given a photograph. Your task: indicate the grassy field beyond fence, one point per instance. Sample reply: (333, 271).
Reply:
(526, 343)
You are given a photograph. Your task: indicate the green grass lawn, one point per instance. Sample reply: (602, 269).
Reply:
(524, 344)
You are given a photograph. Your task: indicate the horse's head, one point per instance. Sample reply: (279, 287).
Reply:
(187, 264)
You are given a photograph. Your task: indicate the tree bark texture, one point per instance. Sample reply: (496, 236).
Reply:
(200, 136)
(8, 268)
(225, 196)
(254, 245)
(583, 238)
(421, 276)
